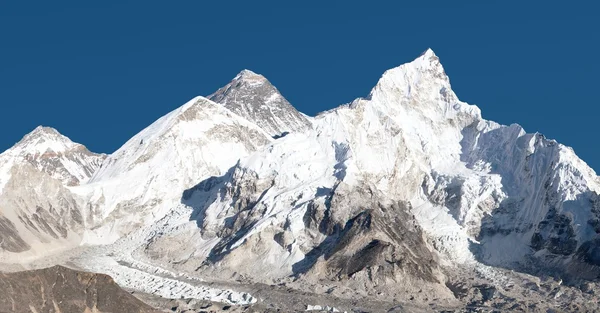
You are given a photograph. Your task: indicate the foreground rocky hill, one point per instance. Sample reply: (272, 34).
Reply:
(59, 289)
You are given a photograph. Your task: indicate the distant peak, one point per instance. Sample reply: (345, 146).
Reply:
(248, 73)
(253, 97)
(45, 132)
(250, 77)
(43, 138)
(243, 84)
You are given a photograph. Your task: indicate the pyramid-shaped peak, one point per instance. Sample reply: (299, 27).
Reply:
(45, 130)
(428, 53)
(253, 97)
(50, 152)
(47, 133)
(44, 138)
(427, 60)
(244, 85)
(249, 74)
(250, 77)
(425, 74)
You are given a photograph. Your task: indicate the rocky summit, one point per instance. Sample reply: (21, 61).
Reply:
(405, 200)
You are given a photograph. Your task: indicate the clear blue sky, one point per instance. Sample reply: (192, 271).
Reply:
(100, 71)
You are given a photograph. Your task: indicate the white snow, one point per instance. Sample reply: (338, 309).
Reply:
(46, 142)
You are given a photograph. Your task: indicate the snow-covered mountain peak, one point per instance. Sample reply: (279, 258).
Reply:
(429, 55)
(425, 72)
(430, 62)
(429, 52)
(253, 97)
(45, 139)
(427, 60)
(50, 152)
(246, 85)
(44, 130)
(249, 77)
(421, 87)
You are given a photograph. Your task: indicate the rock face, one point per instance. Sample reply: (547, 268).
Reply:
(252, 96)
(38, 212)
(59, 289)
(405, 195)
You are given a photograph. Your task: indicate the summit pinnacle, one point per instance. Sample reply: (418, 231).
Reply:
(253, 97)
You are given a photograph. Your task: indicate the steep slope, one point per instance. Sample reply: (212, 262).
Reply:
(144, 179)
(59, 289)
(253, 97)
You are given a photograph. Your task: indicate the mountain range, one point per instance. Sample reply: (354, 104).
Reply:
(405, 200)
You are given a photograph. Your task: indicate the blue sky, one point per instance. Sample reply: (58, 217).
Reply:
(101, 71)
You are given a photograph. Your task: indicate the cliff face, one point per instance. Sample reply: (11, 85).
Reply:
(59, 289)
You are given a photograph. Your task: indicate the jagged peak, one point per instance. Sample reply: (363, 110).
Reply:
(428, 60)
(425, 68)
(428, 53)
(427, 63)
